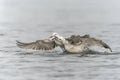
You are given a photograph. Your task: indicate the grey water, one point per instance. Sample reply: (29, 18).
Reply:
(30, 20)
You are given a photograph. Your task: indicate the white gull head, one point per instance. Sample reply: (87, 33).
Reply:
(58, 39)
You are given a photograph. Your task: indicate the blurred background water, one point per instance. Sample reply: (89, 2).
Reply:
(29, 20)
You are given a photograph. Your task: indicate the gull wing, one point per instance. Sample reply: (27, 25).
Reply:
(37, 45)
(87, 41)
(97, 42)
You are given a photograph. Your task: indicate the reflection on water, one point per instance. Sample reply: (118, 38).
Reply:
(29, 20)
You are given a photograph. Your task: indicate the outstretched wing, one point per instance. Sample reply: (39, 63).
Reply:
(95, 42)
(87, 41)
(37, 45)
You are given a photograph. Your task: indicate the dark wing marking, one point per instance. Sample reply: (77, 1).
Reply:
(38, 45)
(86, 36)
(74, 39)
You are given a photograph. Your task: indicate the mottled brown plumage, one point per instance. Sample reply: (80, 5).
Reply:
(76, 39)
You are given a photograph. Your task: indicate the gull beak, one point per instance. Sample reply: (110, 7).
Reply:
(51, 37)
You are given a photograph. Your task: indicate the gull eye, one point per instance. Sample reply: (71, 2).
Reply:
(60, 39)
(56, 37)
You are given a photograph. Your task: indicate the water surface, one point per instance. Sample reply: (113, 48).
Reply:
(29, 20)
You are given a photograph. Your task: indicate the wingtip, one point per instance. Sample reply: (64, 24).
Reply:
(106, 46)
(18, 41)
(110, 50)
(19, 44)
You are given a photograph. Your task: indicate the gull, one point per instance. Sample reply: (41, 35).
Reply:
(72, 44)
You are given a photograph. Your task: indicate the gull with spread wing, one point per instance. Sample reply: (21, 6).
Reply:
(72, 44)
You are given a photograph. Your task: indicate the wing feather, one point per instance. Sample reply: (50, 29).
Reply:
(37, 45)
(87, 41)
